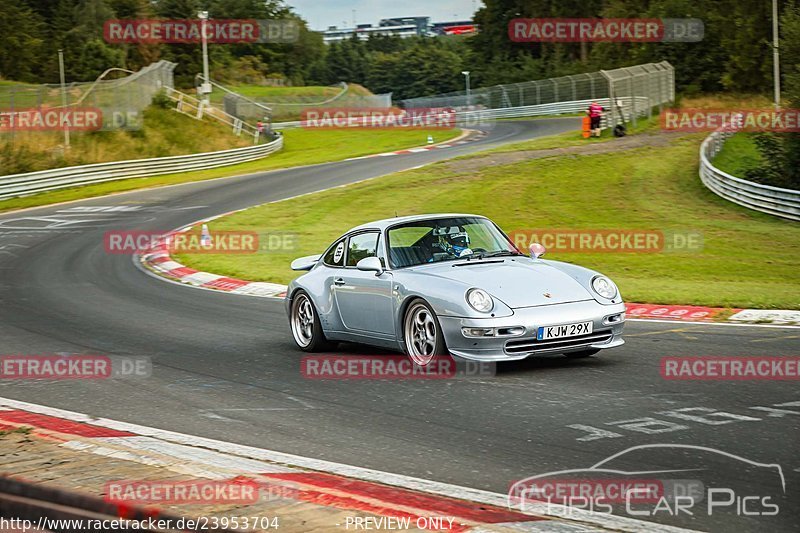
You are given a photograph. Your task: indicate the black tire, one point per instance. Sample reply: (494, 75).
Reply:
(582, 354)
(306, 330)
(419, 324)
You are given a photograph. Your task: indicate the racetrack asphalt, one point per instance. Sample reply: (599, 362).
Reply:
(225, 366)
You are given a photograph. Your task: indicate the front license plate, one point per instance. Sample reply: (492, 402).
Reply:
(564, 330)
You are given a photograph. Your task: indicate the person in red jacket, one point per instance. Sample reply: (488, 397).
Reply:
(595, 113)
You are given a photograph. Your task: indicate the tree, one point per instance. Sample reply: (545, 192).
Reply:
(22, 31)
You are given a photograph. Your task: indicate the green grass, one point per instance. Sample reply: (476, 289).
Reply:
(21, 430)
(748, 259)
(738, 155)
(164, 133)
(302, 147)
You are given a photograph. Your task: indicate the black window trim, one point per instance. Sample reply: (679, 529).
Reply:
(361, 232)
(343, 239)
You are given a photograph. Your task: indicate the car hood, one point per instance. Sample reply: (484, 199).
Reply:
(520, 282)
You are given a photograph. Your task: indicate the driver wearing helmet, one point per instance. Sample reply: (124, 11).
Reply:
(454, 242)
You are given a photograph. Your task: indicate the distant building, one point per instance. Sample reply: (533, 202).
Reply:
(401, 27)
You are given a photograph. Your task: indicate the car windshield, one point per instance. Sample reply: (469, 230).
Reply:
(445, 239)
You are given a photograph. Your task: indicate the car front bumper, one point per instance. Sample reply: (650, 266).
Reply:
(607, 324)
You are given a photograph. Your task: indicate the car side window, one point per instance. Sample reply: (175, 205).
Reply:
(335, 255)
(361, 246)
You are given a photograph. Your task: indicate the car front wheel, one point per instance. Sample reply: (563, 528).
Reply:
(422, 334)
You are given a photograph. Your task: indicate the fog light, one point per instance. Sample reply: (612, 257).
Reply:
(478, 332)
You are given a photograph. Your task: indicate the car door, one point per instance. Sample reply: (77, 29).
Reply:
(364, 299)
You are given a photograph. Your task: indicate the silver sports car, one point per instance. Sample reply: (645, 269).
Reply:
(436, 284)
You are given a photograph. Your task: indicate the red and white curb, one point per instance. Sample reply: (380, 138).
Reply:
(158, 260)
(449, 144)
(305, 479)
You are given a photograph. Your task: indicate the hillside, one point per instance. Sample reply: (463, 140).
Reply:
(164, 133)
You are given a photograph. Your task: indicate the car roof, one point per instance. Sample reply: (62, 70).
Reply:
(386, 222)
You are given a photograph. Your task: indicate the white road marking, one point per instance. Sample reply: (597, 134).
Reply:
(775, 315)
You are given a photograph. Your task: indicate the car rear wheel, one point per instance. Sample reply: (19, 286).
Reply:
(306, 328)
(422, 334)
(582, 354)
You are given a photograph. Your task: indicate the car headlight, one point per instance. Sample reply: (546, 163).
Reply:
(604, 287)
(480, 300)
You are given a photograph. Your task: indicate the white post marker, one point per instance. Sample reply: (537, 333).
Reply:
(205, 88)
(205, 236)
(63, 94)
(430, 139)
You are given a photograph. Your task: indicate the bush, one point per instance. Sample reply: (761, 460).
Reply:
(162, 100)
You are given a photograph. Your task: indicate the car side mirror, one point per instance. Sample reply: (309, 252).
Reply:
(537, 250)
(370, 264)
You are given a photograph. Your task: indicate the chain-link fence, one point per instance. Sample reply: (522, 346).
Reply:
(629, 92)
(291, 106)
(121, 100)
(639, 89)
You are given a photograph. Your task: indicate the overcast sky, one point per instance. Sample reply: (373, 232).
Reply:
(323, 13)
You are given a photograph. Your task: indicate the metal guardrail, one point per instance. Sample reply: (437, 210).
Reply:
(784, 203)
(476, 117)
(555, 108)
(15, 185)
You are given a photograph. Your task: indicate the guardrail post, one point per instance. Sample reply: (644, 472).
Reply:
(633, 98)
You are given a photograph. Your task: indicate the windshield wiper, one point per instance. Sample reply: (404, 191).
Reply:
(499, 253)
